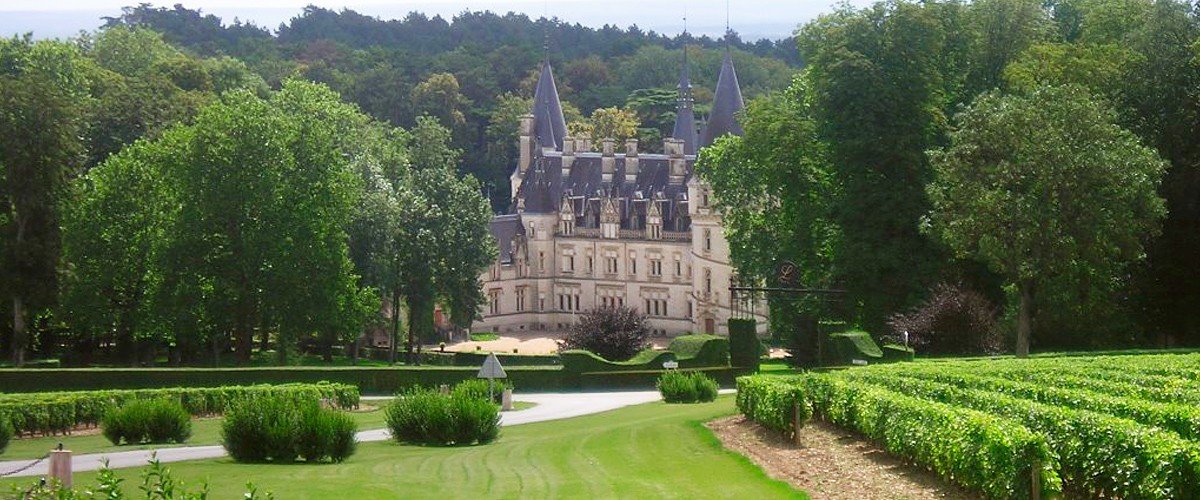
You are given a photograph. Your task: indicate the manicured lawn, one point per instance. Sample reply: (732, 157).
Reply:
(646, 451)
(205, 431)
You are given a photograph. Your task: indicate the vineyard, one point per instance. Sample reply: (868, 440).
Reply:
(1104, 426)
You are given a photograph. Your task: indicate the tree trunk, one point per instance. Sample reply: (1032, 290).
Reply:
(19, 331)
(420, 322)
(1024, 318)
(395, 327)
(244, 335)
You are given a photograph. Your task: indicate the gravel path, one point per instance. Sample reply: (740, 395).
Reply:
(832, 463)
(550, 406)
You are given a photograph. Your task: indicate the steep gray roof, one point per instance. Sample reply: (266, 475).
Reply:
(727, 102)
(685, 118)
(506, 228)
(549, 125)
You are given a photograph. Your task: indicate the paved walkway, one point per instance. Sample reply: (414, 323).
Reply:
(550, 406)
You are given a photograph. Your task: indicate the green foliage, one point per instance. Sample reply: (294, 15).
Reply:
(279, 428)
(480, 388)
(700, 350)
(158, 483)
(686, 387)
(484, 336)
(744, 346)
(60, 412)
(774, 401)
(1046, 189)
(147, 421)
(423, 416)
(616, 333)
(6, 432)
(848, 346)
(582, 361)
(1128, 409)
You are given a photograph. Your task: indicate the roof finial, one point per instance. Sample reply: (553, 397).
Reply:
(728, 30)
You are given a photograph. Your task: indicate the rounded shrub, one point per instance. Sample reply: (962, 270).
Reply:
(278, 428)
(6, 432)
(686, 387)
(422, 416)
(147, 421)
(478, 388)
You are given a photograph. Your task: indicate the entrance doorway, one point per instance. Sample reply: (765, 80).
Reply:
(710, 326)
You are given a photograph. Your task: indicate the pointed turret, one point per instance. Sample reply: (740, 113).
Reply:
(685, 117)
(727, 102)
(549, 126)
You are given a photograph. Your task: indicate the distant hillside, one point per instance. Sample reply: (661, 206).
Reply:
(396, 70)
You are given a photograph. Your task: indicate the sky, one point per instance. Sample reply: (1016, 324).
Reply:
(753, 19)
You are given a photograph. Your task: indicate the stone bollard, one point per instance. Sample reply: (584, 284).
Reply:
(444, 389)
(60, 468)
(796, 423)
(506, 400)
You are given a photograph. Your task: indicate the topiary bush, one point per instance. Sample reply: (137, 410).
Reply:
(613, 333)
(147, 421)
(277, 428)
(745, 350)
(423, 416)
(6, 432)
(700, 350)
(686, 387)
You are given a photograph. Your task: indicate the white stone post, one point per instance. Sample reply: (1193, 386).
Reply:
(506, 403)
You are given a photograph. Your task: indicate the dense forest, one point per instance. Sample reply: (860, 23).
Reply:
(957, 164)
(475, 72)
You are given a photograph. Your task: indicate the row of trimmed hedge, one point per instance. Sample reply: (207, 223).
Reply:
(60, 412)
(772, 401)
(372, 380)
(690, 351)
(993, 455)
(1099, 455)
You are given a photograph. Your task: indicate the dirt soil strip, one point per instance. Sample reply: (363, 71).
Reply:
(832, 463)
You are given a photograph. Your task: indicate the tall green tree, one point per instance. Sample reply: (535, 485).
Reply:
(114, 230)
(776, 190)
(1043, 187)
(445, 241)
(43, 105)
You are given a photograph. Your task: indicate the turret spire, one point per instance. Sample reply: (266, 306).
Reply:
(685, 117)
(549, 125)
(727, 102)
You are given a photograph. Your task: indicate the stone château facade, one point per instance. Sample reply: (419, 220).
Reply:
(614, 227)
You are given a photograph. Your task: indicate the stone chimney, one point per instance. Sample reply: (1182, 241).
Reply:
(526, 143)
(674, 149)
(609, 146)
(631, 160)
(568, 156)
(608, 163)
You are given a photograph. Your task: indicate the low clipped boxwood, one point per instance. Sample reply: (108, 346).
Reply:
(277, 428)
(147, 421)
(427, 417)
(6, 432)
(687, 387)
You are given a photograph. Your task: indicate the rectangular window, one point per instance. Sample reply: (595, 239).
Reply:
(612, 265)
(708, 240)
(520, 299)
(656, 267)
(633, 266)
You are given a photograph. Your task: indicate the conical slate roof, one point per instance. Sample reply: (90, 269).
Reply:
(685, 117)
(549, 125)
(727, 102)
